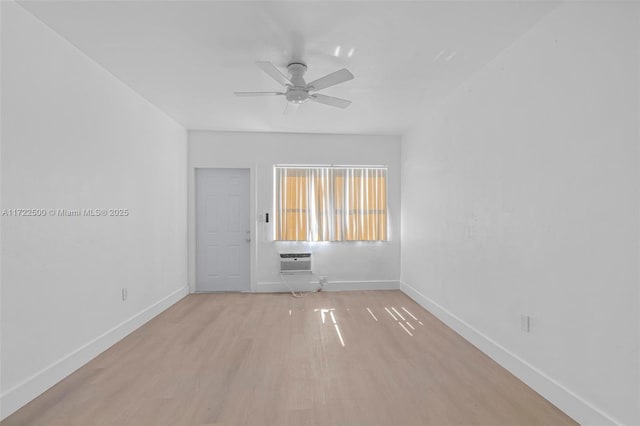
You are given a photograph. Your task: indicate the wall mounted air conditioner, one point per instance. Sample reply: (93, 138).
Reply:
(291, 263)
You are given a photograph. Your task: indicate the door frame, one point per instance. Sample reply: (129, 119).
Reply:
(191, 222)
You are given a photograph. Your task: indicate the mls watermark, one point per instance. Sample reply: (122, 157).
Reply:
(65, 212)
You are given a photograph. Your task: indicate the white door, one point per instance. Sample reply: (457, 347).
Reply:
(222, 227)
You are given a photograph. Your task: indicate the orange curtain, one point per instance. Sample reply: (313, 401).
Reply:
(331, 203)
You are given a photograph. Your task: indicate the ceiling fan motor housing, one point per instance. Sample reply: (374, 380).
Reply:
(297, 93)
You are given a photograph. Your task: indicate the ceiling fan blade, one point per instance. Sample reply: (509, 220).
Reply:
(331, 79)
(290, 108)
(258, 93)
(274, 72)
(330, 100)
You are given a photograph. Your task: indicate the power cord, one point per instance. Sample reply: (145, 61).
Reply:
(299, 294)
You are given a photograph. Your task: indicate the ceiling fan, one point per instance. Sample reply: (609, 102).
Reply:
(297, 91)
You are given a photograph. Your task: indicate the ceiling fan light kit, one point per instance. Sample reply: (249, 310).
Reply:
(297, 91)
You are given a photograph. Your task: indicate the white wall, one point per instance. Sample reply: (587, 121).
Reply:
(348, 265)
(75, 137)
(520, 196)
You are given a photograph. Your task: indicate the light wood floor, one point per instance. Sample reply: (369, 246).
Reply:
(271, 359)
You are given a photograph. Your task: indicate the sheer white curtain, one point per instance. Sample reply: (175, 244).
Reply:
(331, 203)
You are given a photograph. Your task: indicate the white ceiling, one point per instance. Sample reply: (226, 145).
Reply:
(187, 57)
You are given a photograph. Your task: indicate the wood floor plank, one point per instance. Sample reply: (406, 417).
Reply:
(350, 358)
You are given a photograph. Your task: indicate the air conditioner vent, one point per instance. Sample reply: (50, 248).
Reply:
(295, 262)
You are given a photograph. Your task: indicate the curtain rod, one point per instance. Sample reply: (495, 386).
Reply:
(327, 166)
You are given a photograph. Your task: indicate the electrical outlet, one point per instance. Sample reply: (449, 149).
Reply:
(525, 323)
(323, 281)
(124, 294)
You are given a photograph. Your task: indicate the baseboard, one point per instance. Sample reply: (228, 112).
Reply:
(361, 285)
(29, 389)
(279, 287)
(566, 400)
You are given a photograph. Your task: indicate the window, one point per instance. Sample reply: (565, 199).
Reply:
(330, 203)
